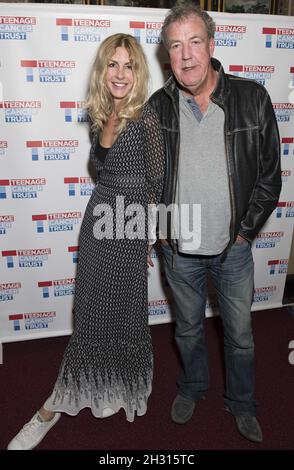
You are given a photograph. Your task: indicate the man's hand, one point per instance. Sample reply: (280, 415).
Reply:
(241, 240)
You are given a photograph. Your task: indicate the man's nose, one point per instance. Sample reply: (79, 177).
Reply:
(186, 51)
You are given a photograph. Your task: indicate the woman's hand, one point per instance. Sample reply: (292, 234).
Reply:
(149, 260)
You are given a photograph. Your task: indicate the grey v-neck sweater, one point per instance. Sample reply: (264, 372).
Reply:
(202, 179)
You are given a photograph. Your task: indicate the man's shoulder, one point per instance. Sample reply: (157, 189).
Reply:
(157, 95)
(243, 84)
(165, 92)
(160, 101)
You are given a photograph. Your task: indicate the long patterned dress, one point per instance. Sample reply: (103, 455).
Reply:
(108, 361)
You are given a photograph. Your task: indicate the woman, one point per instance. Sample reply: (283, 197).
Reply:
(107, 364)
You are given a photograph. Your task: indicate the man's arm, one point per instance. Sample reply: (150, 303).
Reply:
(268, 186)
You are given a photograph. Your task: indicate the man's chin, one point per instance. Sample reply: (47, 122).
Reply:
(190, 87)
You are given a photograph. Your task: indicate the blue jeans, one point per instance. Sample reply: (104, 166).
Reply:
(233, 280)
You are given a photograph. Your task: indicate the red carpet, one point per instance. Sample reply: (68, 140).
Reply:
(30, 369)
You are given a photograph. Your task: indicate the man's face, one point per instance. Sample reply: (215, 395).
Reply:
(190, 51)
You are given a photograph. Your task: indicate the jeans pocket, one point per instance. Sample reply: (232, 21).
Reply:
(166, 247)
(243, 243)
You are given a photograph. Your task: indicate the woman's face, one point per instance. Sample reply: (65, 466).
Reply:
(119, 75)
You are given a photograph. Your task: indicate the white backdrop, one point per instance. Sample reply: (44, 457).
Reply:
(46, 56)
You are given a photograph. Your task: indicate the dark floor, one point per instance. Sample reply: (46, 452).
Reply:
(288, 297)
(30, 368)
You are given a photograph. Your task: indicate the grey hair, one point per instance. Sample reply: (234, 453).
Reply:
(181, 11)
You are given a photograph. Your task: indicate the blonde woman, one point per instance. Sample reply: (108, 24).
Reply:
(107, 364)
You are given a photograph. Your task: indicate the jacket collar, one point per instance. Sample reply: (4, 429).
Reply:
(220, 91)
(223, 85)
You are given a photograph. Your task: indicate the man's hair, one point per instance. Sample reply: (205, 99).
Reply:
(180, 12)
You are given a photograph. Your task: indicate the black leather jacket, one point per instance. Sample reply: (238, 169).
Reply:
(252, 148)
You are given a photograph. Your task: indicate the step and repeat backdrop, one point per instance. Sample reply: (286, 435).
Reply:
(46, 55)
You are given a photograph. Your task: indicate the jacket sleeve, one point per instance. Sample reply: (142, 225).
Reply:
(268, 183)
(154, 154)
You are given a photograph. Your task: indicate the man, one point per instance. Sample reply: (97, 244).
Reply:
(222, 152)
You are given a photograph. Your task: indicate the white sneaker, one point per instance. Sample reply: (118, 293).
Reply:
(32, 433)
(107, 412)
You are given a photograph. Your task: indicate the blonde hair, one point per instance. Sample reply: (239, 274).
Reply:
(100, 103)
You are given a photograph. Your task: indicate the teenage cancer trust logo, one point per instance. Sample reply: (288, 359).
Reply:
(286, 175)
(59, 287)
(16, 27)
(57, 222)
(8, 290)
(83, 29)
(287, 146)
(74, 110)
(264, 294)
(6, 222)
(20, 111)
(229, 35)
(284, 209)
(52, 150)
(74, 252)
(48, 71)
(158, 307)
(277, 266)
(281, 38)
(26, 188)
(32, 320)
(151, 29)
(28, 258)
(259, 73)
(284, 111)
(79, 185)
(3, 147)
(268, 239)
